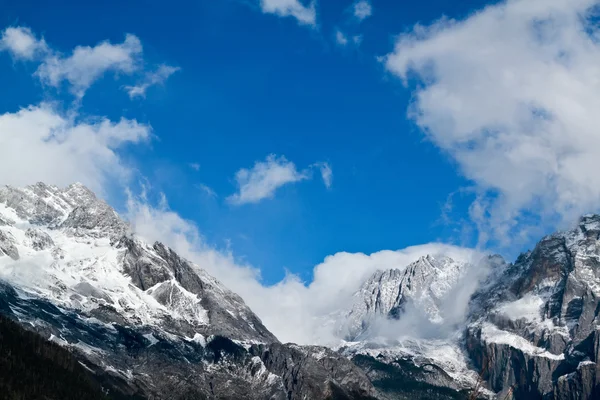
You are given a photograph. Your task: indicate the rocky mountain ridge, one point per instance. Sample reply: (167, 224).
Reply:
(146, 321)
(140, 315)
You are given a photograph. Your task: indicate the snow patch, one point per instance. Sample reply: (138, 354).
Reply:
(491, 334)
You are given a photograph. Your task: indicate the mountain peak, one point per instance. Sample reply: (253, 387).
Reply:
(70, 246)
(424, 283)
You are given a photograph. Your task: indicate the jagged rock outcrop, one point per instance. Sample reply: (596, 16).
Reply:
(38, 240)
(7, 245)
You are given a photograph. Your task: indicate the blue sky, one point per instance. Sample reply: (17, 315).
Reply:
(253, 83)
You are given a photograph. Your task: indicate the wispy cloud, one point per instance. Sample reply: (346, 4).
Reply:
(157, 77)
(207, 190)
(264, 178)
(326, 173)
(304, 14)
(194, 166)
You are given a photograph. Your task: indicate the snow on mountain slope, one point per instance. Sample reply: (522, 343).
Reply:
(69, 247)
(422, 284)
(401, 318)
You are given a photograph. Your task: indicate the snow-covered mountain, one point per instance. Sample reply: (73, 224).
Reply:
(140, 317)
(144, 320)
(375, 325)
(422, 285)
(73, 249)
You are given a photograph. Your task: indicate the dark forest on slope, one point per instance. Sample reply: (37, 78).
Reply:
(33, 368)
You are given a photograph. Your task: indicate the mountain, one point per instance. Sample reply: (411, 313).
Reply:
(379, 330)
(421, 285)
(535, 328)
(96, 307)
(137, 313)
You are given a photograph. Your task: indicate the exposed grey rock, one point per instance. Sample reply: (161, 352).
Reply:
(5, 221)
(312, 372)
(7, 245)
(95, 218)
(544, 353)
(38, 239)
(38, 204)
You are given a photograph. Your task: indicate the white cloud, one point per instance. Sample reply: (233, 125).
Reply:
(194, 166)
(264, 179)
(157, 77)
(326, 173)
(340, 38)
(39, 143)
(301, 313)
(22, 43)
(306, 15)
(512, 93)
(207, 190)
(363, 10)
(87, 64)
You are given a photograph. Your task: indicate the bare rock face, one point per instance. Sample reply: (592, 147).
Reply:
(535, 330)
(7, 246)
(314, 372)
(38, 239)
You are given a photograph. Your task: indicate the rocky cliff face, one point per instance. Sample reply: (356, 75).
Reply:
(138, 314)
(535, 329)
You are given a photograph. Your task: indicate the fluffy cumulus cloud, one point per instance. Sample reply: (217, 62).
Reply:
(363, 9)
(304, 314)
(511, 94)
(305, 14)
(264, 178)
(22, 43)
(158, 77)
(39, 143)
(86, 64)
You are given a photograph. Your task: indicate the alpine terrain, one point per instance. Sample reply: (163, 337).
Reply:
(121, 318)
